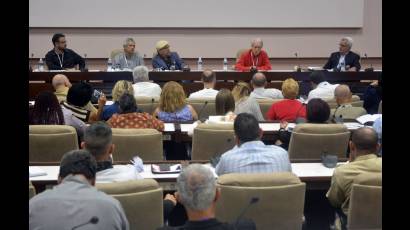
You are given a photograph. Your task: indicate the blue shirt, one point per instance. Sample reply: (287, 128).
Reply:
(159, 63)
(110, 110)
(377, 126)
(183, 114)
(254, 157)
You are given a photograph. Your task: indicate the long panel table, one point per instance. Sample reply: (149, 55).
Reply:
(39, 81)
(315, 175)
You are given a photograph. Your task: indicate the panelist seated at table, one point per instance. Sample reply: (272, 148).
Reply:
(344, 59)
(363, 159)
(62, 58)
(254, 59)
(165, 59)
(208, 78)
(173, 105)
(251, 155)
(129, 117)
(129, 58)
(75, 200)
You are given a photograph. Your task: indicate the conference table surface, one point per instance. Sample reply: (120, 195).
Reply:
(315, 175)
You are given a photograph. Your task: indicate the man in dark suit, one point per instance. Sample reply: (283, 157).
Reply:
(344, 60)
(197, 191)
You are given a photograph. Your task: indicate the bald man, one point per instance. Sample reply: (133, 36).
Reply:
(364, 147)
(259, 92)
(208, 79)
(254, 59)
(61, 85)
(345, 110)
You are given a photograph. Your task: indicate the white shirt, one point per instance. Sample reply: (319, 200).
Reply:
(262, 93)
(118, 173)
(324, 90)
(146, 89)
(205, 93)
(341, 62)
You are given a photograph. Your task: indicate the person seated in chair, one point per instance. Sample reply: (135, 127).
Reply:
(344, 60)
(254, 59)
(129, 58)
(344, 109)
(260, 92)
(197, 191)
(208, 78)
(165, 59)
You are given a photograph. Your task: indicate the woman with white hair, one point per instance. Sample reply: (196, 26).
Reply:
(142, 86)
(344, 59)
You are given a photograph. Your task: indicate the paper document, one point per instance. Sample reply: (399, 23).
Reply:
(36, 171)
(352, 125)
(169, 127)
(368, 117)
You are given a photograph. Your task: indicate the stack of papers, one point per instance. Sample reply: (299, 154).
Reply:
(166, 168)
(36, 171)
(368, 117)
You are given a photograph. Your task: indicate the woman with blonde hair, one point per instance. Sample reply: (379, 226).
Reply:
(289, 109)
(244, 103)
(173, 105)
(119, 89)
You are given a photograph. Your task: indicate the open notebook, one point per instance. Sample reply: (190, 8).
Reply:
(36, 171)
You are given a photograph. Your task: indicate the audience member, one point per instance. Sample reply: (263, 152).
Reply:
(260, 92)
(321, 88)
(208, 79)
(142, 86)
(244, 103)
(46, 111)
(345, 110)
(119, 89)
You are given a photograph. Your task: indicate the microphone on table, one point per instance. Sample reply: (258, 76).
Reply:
(253, 200)
(93, 220)
(298, 69)
(370, 69)
(85, 69)
(202, 109)
(152, 104)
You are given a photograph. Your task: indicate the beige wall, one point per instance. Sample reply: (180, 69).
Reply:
(218, 43)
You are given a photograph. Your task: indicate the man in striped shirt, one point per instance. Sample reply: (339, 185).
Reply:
(251, 155)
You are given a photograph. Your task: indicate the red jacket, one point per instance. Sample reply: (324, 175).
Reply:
(287, 110)
(247, 60)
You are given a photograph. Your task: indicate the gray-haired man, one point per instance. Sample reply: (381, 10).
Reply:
(128, 59)
(197, 191)
(142, 86)
(344, 59)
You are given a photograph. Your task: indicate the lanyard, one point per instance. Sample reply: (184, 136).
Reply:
(125, 57)
(257, 59)
(61, 60)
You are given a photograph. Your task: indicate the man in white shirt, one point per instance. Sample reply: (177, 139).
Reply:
(208, 79)
(98, 141)
(142, 86)
(321, 88)
(259, 91)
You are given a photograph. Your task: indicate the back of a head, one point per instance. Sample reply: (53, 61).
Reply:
(59, 79)
(241, 89)
(224, 102)
(78, 162)
(343, 93)
(208, 76)
(317, 111)
(196, 186)
(258, 80)
(127, 103)
(80, 94)
(172, 97)
(317, 77)
(246, 127)
(46, 110)
(140, 74)
(97, 138)
(290, 88)
(120, 88)
(365, 140)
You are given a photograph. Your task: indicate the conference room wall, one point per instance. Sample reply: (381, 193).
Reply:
(218, 43)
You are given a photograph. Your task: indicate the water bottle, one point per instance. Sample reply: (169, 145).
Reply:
(40, 65)
(109, 65)
(225, 64)
(199, 63)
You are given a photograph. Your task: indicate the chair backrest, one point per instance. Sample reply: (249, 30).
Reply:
(146, 143)
(310, 141)
(379, 110)
(265, 105)
(141, 201)
(115, 53)
(211, 140)
(281, 199)
(199, 106)
(31, 190)
(48, 143)
(146, 104)
(365, 206)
